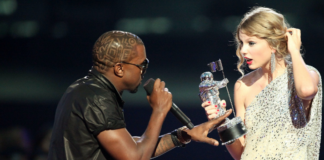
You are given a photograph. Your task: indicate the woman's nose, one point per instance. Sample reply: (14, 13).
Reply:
(243, 50)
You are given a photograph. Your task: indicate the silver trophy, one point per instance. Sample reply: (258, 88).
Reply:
(232, 129)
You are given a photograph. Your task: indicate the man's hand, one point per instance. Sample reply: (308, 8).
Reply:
(199, 133)
(121, 145)
(160, 98)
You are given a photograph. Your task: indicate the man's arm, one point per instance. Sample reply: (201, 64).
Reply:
(120, 144)
(198, 133)
(164, 145)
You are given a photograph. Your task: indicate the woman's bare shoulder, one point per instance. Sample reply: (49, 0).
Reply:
(247, 80)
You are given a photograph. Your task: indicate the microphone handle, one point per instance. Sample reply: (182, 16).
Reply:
(175, 110)
(148, 86)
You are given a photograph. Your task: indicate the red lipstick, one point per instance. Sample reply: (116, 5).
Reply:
(248, 61)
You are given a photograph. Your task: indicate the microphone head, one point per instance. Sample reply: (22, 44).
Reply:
(148, 86)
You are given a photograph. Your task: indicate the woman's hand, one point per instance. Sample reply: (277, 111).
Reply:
(294, 40)
(211, 109)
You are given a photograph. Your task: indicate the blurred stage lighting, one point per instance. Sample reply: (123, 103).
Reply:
(201, 23)
(7, 7)
(230, 23)
(291, 19)
(60, 30)
(24, 29)
(160, 25)
(137, 25)
(3, 29)
(142, 26)
(29, 86)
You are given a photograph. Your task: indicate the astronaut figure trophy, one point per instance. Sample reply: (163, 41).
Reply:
(232, 129)
(209, 90)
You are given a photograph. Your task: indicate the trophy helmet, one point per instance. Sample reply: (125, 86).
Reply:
(206, 76)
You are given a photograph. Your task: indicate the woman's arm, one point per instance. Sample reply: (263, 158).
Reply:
(236, 148)
(305, 81)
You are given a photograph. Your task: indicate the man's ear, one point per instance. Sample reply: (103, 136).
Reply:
(118, 70)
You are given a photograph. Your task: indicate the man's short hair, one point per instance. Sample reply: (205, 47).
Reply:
(113, 47)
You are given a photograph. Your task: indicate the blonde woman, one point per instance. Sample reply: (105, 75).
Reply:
(280, 101)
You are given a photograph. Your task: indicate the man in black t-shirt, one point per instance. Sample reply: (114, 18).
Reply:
(89, 120)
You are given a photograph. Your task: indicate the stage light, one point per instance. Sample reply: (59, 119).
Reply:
(25, 29)
(7, 7)
(60, 30)
(292, 19)
(160, 25)
(3, 29)
(137, 25)
(201, 23)
(230, 23)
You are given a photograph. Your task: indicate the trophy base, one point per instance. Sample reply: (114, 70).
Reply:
(231, 130)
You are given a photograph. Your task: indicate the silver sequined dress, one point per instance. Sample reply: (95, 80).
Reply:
(271, 124)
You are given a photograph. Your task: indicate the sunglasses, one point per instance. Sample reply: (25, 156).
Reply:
(143, 66)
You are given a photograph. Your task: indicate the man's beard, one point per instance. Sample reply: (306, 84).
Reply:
(135, 90)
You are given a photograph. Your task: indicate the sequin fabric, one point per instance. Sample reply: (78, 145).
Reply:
(277, 129)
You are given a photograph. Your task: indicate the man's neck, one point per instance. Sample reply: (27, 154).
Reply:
(115, 82)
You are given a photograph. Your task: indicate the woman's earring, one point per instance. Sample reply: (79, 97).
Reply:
(273, 62)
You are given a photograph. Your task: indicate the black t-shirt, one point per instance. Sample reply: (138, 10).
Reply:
(90, 105)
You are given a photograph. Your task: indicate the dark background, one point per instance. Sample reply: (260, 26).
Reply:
(46, 45)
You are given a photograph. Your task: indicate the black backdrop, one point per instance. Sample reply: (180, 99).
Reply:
(46, 45)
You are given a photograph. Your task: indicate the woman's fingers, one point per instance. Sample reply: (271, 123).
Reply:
(294, 32)
(210, 107)
(207, 103)
(211, 111)
(299, 34)
(223, 103)
(294, 39)
(212, 116)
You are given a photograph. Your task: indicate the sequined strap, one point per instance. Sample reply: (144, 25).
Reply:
(296, 107)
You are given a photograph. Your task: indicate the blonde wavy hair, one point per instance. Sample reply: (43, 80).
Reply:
(267, 24)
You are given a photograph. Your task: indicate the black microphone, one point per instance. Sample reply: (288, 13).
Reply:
(148, 86)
